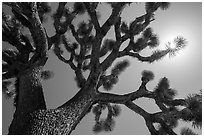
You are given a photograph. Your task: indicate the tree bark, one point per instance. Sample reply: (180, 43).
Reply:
(31, 116)
(30, 98)
(62, 120)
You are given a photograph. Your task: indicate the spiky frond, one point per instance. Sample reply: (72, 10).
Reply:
(153, 41)
(161, 130)
(171, 120)
(119, 67)
(109, 81)
(108, 124)
(47, 74)
(149, 6)
(194, 104)
(116, 110)
(164, 5)
(158, 55)
(186, 114)
(162, 89)
(79, 8)
(84, 28)
(170, 93)
(97, 127)
(147, 33)
(180, 43)
(147, 75)
(164, 83)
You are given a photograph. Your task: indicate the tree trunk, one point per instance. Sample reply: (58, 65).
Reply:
(30, 98)
(31, 116)
(62, 120)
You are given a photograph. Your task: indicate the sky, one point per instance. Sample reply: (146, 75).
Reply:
(184, 71)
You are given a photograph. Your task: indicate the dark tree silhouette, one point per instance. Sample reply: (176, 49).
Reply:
(91, 52)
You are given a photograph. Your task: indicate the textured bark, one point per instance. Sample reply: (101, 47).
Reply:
(31, 116)
(62, 120)
(30, 98)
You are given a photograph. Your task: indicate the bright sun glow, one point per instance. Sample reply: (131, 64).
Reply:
(169, 40)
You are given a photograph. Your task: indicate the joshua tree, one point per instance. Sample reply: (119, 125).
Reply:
(90, 53)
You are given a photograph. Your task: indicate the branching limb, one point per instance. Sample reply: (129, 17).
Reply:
(155, 56)
(112, 19)
(117, 29)
(158, 118)
(151, 127)
(137, 109)
(111, 58)
(28, 13)
(92, 13)
(121, 99)
(57, 51)
(75, 34)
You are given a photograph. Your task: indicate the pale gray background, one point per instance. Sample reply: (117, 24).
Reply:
(184, 71)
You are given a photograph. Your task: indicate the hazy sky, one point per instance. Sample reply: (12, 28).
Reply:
(184, 71)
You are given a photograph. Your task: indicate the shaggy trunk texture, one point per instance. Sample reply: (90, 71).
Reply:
(30, 98)
(31, 116)
(62, 120)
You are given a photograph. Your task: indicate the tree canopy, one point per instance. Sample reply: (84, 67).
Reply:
(93, 54)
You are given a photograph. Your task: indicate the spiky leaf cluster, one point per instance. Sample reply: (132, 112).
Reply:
(79, 8)
(151, 6)
(161, 130)
(147, 75)
(47, 74)
(179, 42)
(171, 120)
(164, 91)
(193, 110)
(148, 39)
(164, 5)
(84, 29)
(109, 81)
(108, 123)
(158, 55)
(120, 67)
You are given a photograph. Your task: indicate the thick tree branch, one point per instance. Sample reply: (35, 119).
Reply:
(92, 13)
(151, 127)
(111, 58)
(29, 12)
(121, 99)
(117, 30)
(75, 34)
(159, 118)
(38, 33)
(149, 59)
(111, 20)
(137, 109)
